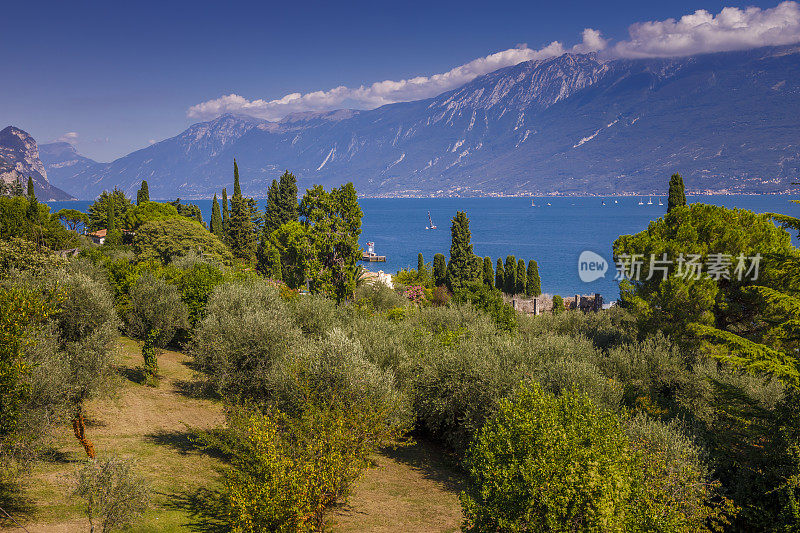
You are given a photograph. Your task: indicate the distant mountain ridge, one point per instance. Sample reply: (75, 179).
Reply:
(19, 160)
(575, 124)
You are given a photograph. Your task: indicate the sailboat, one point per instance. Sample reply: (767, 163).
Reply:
(532, 204)
(641, 202)
(659, 201)
(616, 202)
(430, 221)
(649, 201)
(604, 202)
(548, 203)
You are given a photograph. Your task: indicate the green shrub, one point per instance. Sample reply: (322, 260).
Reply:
(156, 305)
(457, 387)
(489, 300)
(558, 305)
(150, 356)
(170, 238)
(378, 297)
(247, 327)
(115, 495)
(547, 463)
(673, 490)
(314, 314)
(196, 283)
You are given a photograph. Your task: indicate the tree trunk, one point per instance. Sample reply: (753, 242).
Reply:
(79, 428)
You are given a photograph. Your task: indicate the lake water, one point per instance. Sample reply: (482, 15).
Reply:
(554, 235)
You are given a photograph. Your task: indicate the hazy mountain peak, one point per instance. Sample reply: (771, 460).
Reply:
(20, 156)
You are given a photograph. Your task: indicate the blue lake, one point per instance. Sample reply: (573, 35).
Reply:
(554, 235)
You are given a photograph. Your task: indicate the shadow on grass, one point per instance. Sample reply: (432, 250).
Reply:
(196, 390)
(204, 510)
(132, 374)
(432, 461)
(14, 504)
(184, 442)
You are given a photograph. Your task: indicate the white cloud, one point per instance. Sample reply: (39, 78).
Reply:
(69, 137)
(388, 91)
(703, 32)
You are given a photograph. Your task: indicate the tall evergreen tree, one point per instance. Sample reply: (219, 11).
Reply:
(216, 220)
(143, 195)
(461, 268)
(420, 263)
(237, 189)
(677, 192)
(510, 273)
(111, 217)
(533, 286)
(225, 212)
(488, 272)
(241, 225)
(499, 278)
(33, 204)
(281, 202)
(522, 277)
(439, 270)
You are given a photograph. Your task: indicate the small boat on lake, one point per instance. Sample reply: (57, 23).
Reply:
(430, 225)
(649, 201)
(659, 201)
(641, 202)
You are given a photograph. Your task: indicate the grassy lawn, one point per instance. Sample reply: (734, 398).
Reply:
(410, 489)
(150, 425)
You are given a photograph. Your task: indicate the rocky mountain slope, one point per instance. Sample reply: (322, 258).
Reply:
(574, 124)
(19, 160)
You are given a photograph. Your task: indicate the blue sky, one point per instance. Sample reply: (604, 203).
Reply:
(120, 76)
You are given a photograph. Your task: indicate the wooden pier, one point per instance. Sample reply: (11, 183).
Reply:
(370, 256)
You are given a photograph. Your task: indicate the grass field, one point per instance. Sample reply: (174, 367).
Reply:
(411, 489)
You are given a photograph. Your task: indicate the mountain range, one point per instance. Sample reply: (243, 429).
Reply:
(19, 160)
(574, 124)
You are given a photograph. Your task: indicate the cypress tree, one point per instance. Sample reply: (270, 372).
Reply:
(488, 272)
(439, 270)
(237, 189)
(144, 193)
(461, 268)
(216, 220)
(522, 277)
(420, 263)
(33, 204)
(281, 202)
(510, 273)
(677, 192)
(111, 219)
(241, 229)
(225, 212)
(558, 305)
(499, 280)
(533, 286)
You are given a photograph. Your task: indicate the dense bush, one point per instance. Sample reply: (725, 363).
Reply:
(169, 238)
(156, 305)
(489, 300)
(378, 297)
(314, 315)
(247, 327)
(547, 463)
(115, 495)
